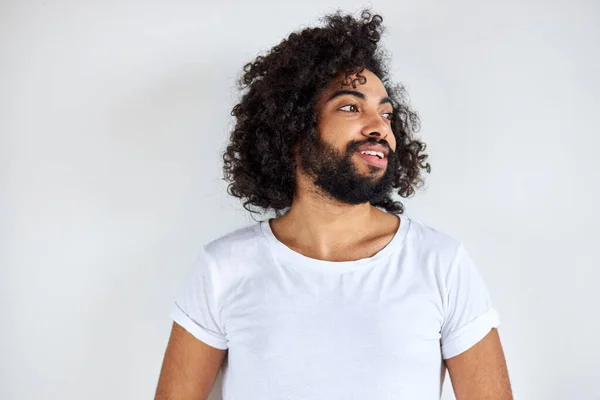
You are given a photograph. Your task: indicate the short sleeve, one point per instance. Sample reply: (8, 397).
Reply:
(469, 315)
(195, 308)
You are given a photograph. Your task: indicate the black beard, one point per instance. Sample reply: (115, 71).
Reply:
(336, 174)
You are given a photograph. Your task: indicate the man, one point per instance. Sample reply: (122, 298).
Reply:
(341, 296)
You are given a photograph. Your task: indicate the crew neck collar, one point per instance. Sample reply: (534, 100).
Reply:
(285, 253)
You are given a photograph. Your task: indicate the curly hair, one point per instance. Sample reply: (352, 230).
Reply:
(277, 110)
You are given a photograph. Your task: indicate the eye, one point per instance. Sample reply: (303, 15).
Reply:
(353, 108)
(389, 115)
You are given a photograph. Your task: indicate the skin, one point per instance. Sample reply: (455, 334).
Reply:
(480, 373)
(189, 368)
(322, 225)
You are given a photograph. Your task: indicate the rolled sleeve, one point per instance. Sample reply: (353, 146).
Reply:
(196, 307)
(466, 337)
(212, 338)
(469, 315)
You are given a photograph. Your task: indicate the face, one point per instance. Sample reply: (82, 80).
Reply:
(348, 120)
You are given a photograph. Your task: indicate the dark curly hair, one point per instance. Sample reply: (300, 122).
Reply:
(277, 110)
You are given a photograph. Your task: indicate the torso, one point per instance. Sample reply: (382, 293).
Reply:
(299, 329)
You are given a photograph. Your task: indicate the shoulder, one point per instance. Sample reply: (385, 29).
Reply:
(227, 261)
(236, 255)
(430, 242)
(442, 253)
(236, 243)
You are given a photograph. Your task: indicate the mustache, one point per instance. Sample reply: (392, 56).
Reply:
(352, 146)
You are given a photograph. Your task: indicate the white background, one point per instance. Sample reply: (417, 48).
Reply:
(113, 119)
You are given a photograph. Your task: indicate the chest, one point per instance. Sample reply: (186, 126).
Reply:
(373, 334)
(344, 316)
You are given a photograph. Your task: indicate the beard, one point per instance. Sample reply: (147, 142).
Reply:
(336, 175)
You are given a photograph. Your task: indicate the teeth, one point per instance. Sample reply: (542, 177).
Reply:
(373, 153)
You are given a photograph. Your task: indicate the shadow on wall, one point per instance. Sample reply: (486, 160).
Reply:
(216, 393)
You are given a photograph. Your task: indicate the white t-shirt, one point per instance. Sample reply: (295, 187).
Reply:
(298, 328)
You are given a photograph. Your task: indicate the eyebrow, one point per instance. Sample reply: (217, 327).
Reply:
(355, 93)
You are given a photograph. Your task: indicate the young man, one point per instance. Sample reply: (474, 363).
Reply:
(341, 296)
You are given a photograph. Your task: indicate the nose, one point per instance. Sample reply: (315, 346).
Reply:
(376, 126)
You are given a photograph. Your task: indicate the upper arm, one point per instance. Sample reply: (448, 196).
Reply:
(470, 342)
(480, 372)
(198, 344)
(189, 368)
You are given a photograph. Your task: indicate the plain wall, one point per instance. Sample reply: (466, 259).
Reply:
(113, 119)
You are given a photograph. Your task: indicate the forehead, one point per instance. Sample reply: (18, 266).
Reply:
(371, 87)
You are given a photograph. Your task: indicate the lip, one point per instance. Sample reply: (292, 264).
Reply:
(373, 160)
(374, 147)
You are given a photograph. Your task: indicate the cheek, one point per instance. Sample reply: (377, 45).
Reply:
(325, 132)
(339, 129)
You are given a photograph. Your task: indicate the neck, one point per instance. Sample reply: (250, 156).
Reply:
(324, 224)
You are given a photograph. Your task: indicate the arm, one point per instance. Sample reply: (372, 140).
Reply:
(480, 373)
(189, 368)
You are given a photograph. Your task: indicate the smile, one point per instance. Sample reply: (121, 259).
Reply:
(373, 160)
